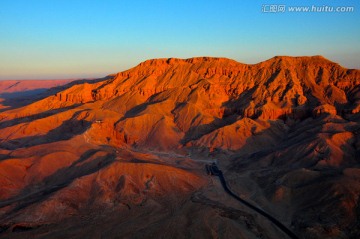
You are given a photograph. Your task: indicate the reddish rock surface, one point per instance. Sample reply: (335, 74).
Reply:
(131, 148)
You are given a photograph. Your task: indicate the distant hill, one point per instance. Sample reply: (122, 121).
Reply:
(15, 93)
(11, 86)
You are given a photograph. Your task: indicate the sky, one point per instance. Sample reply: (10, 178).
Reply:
(57, 39)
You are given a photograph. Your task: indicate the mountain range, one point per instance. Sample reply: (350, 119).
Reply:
(124, 156)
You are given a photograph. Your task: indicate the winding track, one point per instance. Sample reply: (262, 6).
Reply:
(281, 226)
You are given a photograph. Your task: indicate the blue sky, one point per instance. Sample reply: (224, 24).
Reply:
(45, 39)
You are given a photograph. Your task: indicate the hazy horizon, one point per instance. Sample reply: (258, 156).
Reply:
(90, 39)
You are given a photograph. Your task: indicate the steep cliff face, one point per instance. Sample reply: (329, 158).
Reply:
(276, 86)
(191, 98)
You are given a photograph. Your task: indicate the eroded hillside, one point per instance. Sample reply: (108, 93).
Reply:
(285, 132)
